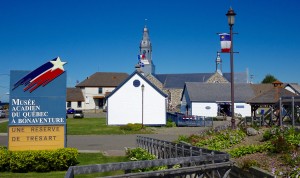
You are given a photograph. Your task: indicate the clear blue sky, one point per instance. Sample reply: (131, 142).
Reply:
(104, 35)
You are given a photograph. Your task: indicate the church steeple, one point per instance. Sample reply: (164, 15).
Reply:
(145, 46)
(219, 64)
(146, 53)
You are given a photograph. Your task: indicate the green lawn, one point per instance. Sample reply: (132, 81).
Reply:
(83, 158)
(96, 126)
(89, 126)
(3, 127)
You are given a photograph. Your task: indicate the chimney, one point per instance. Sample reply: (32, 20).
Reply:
(277, 85)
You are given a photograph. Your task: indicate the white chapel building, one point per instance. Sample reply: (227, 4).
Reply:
(136, 100)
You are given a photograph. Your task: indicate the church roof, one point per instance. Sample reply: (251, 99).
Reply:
(178, 80)
(239, 77)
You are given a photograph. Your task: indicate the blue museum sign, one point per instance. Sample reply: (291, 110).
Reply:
(38, 97)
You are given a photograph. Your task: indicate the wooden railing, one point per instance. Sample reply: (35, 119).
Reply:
(192, 160)
(165, 149)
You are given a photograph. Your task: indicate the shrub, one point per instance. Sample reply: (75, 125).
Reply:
(170, 123)
(267, 135)
(248, 163)
(38, 161)
(64, 158)
(250, 149)
(131, 127)
(283, 139)
(138, 154)
(292, 159)
(222, 140)
(4, 159)
(281, 145)
(183, 138)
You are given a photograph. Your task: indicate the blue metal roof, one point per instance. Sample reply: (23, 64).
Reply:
(178, 80)
(213, 92)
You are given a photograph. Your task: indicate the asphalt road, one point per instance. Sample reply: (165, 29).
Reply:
(114, 145)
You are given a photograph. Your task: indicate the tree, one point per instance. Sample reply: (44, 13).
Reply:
(269, 79)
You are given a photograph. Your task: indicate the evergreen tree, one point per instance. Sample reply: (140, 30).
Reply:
(269, 79)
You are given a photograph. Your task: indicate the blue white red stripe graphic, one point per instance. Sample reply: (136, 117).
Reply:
(225, 42)
(42, 75)
(141, 56)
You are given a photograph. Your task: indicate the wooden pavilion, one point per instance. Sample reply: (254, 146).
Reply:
(280, 102)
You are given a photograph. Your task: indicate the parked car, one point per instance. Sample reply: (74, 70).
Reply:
(78, 114)
(2, 114)
(70, 111)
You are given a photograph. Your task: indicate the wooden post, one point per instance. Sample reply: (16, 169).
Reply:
(152, 144)
(176, 154)
(293, 111)
(165, 151)
(280, 110)
(156, 148)
(170, 150)
(159, 149)
(213, 162)
(137, 141)
(272, 116)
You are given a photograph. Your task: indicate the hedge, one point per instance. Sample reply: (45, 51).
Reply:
(37, 161)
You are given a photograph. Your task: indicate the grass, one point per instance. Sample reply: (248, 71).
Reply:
(83, 158)
(90, 126)
(96, 126)
(4, 127)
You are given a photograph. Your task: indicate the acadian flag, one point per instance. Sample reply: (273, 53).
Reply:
(225, 42)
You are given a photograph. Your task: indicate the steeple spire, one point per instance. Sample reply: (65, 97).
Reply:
(146, 40)
(146, 52)
(219, 64)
